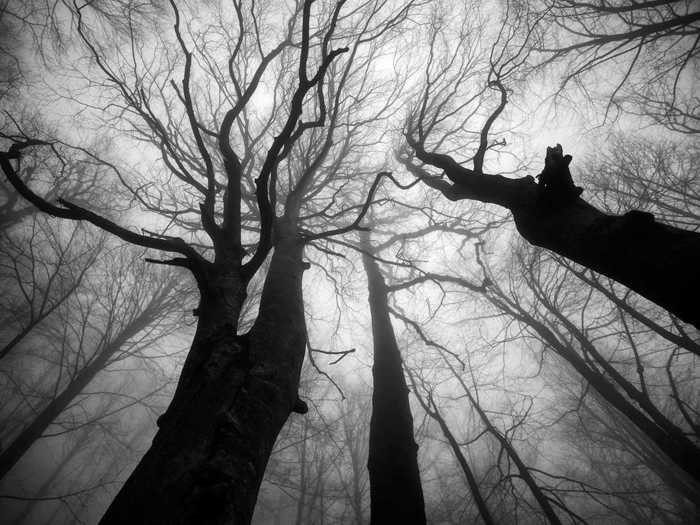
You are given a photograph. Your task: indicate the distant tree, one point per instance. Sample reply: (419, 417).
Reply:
(548, 310)
(506, 451)
(427, 400)
(114, 319)
(624, 372)
(652, 46)
(322, 478)
(42, 268)
(653, 175)
(623, 465)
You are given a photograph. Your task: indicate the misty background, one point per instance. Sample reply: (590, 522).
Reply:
(505, 345)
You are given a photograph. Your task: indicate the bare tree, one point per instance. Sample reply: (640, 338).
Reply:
(396, 492)
(652, 175)
(642, 54)
(547, 318)
(430, 408)
(41, 269)
(236, 390)
(549, 213)
(115, 322)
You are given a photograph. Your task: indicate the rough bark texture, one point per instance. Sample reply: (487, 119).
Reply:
(236, 391)
(396, 495)
(655, 260)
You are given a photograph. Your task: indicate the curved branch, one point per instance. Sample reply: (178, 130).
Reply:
(74, 212)
(355, 225)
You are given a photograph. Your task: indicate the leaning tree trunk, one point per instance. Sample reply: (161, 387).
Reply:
(678, 445)
(396, 495)
(43, 491)
(43, 419)
(655, 260)
(207, 460)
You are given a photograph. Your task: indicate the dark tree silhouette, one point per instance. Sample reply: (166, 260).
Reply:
(236, 390)
(656, 260)
(396, 495)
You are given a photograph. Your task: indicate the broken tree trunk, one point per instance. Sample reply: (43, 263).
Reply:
(655, 260)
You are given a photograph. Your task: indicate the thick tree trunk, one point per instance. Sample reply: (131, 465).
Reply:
(655, 260)
(396, 495)
(209, 455)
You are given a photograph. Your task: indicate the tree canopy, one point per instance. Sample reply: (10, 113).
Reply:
(250, 249)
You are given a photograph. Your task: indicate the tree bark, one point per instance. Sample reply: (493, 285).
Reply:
(235, 393)
(396, 495)
(655, 260)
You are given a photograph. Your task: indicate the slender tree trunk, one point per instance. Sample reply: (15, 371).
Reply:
(474, 488)
(505, 443)
(35, 321)
(302, 478)
(43, 490)
(396, 495)
(235, 393)
(26, 438)
(317, 493)
(674, 443)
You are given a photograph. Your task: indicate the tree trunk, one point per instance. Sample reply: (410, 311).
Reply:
(235, 393)
(302, 477)
(43, 492)
(26, 438)
(655, 260)
(472, 482)
(396, 495)
(675, 444)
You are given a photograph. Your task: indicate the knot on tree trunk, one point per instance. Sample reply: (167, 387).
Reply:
(556, 187)
(300, 406)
